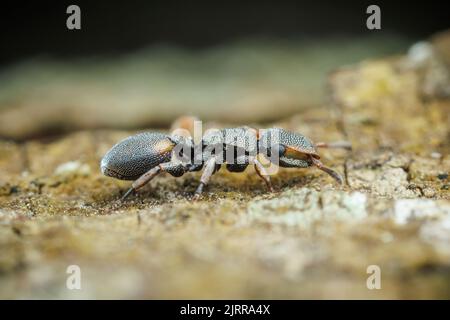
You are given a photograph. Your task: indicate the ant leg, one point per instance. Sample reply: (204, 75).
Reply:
(148, 176)
(184, 125)
(335, 145)
(207, 173)
(331, 172)
(262, 173)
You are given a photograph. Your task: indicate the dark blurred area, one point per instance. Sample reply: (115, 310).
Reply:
(38, 28)
(141, 64)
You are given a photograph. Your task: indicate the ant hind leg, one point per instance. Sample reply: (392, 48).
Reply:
(174, 169)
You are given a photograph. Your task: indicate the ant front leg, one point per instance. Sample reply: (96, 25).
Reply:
(330, 171)
(262, 173)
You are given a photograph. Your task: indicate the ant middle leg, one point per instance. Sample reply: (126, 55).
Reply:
(210, 169)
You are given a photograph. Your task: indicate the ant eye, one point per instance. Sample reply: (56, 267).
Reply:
(281, 150)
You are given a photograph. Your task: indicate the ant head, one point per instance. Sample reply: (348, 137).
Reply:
(292, 149)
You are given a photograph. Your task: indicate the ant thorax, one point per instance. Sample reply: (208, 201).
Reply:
(227, 146)
(230, 146)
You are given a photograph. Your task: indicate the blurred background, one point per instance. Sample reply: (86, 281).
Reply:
(140, 64)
